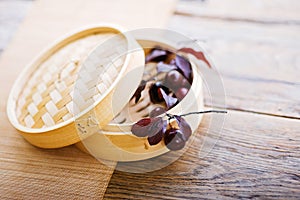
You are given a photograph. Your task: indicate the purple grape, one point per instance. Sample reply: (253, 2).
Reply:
(174, 139)
(153, 140)
(156, 55)
(173, 79)
(181, 93)
(138, 93)
(185, 83)
(184, 127)
(147, 127)
(155, 92)
(157, 111)
(185, 67)
(169, 100)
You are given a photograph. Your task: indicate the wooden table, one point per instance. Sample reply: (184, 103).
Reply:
(255, 46)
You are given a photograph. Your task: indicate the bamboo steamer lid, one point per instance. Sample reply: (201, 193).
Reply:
(41, 105)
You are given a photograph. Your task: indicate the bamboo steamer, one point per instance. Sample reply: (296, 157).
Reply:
(40, 105)
(116, 142)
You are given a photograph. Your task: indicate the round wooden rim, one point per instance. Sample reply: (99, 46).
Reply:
(113, 142)
(15, 91)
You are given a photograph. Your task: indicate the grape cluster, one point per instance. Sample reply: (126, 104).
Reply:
(176, 82)
(158, 129)
(166, 92)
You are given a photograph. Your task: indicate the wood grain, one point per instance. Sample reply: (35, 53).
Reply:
(12, 13)
(254, 11)
(259, 64)
(31, 173)
(255, 156)
(27, 172)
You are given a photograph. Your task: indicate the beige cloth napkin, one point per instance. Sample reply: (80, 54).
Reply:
(27, 172)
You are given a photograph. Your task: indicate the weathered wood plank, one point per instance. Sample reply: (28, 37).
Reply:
(12, 13)
(27, 172)
(256, 156)
(260, 64)
(274, 47)
(257, 11)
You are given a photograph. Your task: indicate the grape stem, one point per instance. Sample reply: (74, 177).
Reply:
(203, 112)
(194, 113)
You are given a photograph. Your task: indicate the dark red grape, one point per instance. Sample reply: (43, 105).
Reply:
(153, 140)
(169, 100)
(157, 111)
(156, 55)
(155, 92)
(184, 127)
(185, 67)
(147, 127)
(137, 95)
(185, 83)
(173, 79)
(174, 139)
(139, 127)
(181, 93)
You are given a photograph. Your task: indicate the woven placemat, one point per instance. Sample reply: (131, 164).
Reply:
(27, 172)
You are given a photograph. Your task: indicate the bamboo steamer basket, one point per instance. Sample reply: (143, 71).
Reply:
(40, 105)
(116, 142)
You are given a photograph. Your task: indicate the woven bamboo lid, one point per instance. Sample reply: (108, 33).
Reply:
(41, 104)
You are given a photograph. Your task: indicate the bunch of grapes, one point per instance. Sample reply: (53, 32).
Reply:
(175, 84)
(174, 131)
(167, 92)
(158, 129)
